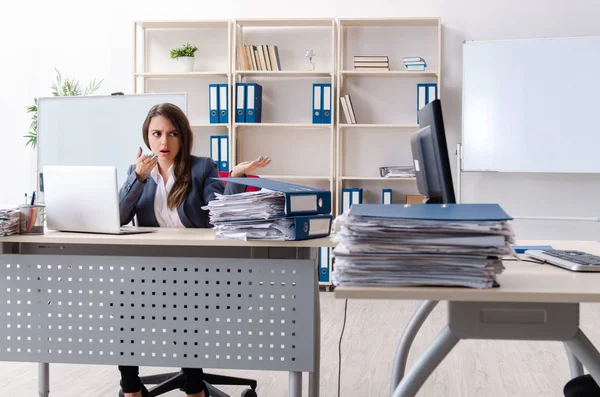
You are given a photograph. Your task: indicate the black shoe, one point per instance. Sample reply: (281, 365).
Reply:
(582, 386)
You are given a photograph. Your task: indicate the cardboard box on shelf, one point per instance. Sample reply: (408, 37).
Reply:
(414, 199)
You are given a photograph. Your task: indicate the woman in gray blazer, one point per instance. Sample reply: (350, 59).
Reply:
(168, 189)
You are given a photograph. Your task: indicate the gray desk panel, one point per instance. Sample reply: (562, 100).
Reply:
(158, 311)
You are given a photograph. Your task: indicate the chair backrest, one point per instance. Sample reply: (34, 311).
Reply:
(224, 174)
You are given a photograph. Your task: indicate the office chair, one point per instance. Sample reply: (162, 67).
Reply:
(175, 380)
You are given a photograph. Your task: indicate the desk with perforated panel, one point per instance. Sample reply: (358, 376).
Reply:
(175, 297)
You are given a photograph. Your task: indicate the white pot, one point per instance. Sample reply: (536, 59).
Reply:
(186, 64)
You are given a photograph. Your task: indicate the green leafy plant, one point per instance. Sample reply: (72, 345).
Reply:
(187, 50)
(60, 87)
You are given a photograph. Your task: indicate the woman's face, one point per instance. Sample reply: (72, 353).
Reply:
(164, 140)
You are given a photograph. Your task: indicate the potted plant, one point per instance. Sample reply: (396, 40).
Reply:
(185, 56)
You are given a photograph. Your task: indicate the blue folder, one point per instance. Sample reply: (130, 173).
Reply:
(253, 103)
(240, 98)
(311, 226)
(324, 259)
(299, 199)
(433, 212)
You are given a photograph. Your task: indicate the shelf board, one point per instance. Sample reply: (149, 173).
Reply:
(374, 178)
(222, 125)
(282, 73)
(295, 177)
(181, 75)
(184, 24)
(351, 126)
(389, 22)
(285, 125)
(285, 22)
(386, 73)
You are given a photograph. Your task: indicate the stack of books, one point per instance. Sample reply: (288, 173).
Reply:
(9, 221)
(279, 211)
(258, 57)
(457, 245)
(371, 63)
(348, 109)
(416, 64)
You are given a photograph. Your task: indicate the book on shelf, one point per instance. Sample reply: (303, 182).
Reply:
(416, 64)
(371, 63)
(258, 57)
(348, 109)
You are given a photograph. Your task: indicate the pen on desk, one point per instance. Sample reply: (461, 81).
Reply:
(26, 201)
(33, 198)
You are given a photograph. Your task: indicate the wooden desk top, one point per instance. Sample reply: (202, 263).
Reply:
(520, 282)
(161, 236)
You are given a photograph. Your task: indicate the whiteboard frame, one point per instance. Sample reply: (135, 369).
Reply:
(74, 98)
(460, 149)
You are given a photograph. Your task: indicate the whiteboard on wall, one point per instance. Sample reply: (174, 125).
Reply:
(96, 130)
(531, 105)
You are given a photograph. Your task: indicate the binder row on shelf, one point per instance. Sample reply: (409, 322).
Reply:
(219, 151)
(425, 93)
(258, 57)
(321, 104)
(248, 107)
(218, 103)
(351, 196)
(279, 211)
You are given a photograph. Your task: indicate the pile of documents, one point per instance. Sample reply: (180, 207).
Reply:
(397, 172)
(9, 221)
(279, 211)
(432, 244)
(416, 64)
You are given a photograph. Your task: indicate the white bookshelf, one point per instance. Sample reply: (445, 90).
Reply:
(384, 102)
(331, 156)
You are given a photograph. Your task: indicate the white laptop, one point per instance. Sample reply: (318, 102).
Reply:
(83, 199)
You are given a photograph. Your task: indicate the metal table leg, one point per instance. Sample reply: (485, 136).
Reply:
(43, 379)
(574, 364)
(295, 387)
(433, 356)
(413, 327)
(314, 377)
(585, 352)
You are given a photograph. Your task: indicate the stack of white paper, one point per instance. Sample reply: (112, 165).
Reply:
(401, 252)
(9, 221)
(280, 229)
(263, 204)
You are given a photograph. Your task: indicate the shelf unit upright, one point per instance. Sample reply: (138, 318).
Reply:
(301, 152)
(385, 102)
(154, 71)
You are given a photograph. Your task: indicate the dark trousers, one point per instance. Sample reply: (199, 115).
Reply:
(130, 379)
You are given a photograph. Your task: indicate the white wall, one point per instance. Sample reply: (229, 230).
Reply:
(520, 194)
(86, 41)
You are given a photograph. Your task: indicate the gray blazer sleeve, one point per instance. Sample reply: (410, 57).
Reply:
(129, 194)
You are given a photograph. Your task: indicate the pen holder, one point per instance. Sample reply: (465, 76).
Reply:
(32, 219)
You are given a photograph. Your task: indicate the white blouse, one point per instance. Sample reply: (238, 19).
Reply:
(164, 216)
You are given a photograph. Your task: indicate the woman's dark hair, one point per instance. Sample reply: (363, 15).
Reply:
(182, 168)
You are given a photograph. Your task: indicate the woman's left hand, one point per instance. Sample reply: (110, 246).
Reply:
(248, 166)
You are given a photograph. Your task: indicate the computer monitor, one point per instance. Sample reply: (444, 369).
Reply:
(430, 155)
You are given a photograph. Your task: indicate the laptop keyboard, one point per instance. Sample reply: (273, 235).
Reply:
(578, 257)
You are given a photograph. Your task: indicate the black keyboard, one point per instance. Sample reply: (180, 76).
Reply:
(581, 258)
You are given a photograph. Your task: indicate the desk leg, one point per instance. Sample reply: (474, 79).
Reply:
(574, 364)
(43, 379)
(295, 387)
(585, 352)
(314, 377)
(433, 356)
(413, 327)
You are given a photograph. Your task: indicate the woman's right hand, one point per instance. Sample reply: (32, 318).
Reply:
(144, 165)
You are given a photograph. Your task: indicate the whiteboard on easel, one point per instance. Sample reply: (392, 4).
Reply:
(96, 130)
(531, 105)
